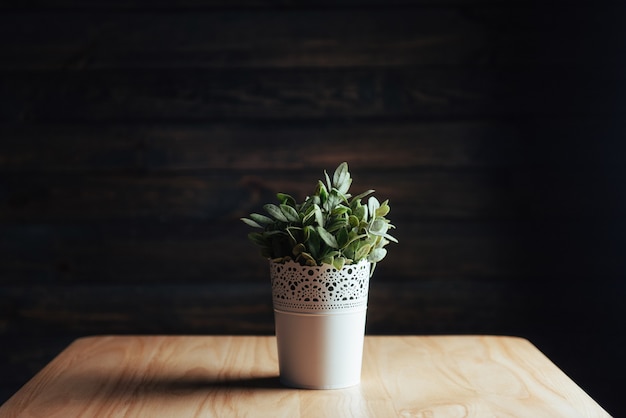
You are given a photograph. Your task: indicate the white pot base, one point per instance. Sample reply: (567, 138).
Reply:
(320, 351)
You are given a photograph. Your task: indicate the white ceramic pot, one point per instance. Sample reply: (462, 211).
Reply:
(320, 317)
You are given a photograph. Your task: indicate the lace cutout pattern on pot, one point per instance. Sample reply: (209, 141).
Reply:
(319, 288)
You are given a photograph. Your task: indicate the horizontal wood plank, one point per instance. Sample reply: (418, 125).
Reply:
(422, 306)
(201, 95)
(425, 37)
(127, 252)
(268, 146)
(517, 142)
(99, 5)
(212, 308)
(143, 5)
(228, 39)
(518, 193)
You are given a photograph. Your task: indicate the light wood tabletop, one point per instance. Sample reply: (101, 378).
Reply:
(205, 376)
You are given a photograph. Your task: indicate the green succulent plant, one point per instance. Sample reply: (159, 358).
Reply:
(329, 227)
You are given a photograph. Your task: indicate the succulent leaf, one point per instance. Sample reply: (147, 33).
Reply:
(344, 186)
(322, 192)
(298, 249)
(360, 212)
(340, 171)
(295, 234)
(314, 242)
(383, 210)
(372, 205)
(329, 185)
(275, 212)
(327, 237)
(339, 210)
(286, 199)
(356, 238)
(358, 197)
(261, 219)
(362, 252)
(377, 255)
(319, 217)
(251, 223)
(341, 178)
(342, 237)
(390, 238)
(339, 262)
(378, 226)
(290, 213)
(336, 224)
(308, 259)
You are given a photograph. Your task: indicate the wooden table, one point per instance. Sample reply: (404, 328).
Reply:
(204, 376)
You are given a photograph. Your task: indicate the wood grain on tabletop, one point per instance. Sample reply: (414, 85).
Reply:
(442, 376)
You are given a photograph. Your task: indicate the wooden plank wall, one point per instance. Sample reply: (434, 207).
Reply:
(134, 134)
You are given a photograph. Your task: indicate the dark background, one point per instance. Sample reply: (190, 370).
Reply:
(135, 133)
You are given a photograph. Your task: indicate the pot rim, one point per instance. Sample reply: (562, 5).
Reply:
(315, 289)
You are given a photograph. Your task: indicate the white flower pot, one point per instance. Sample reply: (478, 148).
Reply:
(320, 323)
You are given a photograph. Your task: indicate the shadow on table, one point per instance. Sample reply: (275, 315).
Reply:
(95, 386)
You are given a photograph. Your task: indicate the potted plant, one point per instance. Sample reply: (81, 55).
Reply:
(322, 253)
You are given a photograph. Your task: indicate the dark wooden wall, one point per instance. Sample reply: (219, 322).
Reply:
(134, 134)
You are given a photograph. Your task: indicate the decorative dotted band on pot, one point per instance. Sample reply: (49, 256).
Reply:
(306, 289)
